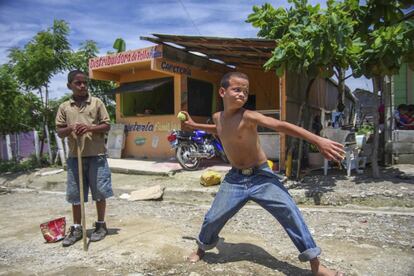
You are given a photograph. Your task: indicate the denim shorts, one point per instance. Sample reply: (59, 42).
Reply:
(96, 177)
(263, 187)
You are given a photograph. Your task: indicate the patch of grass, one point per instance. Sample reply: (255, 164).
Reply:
(27, 164)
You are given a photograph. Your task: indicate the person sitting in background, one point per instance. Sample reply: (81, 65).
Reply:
(406, 118)
(403, 117)
(401, 110)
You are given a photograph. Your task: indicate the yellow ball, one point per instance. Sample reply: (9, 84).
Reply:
(181, 116)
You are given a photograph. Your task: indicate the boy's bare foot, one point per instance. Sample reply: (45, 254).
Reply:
(196, 256)
(320, 270)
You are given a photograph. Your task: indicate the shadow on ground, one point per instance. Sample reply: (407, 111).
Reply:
(236, 252)
(111, 231)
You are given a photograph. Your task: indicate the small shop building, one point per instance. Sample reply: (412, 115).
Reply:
(183, 73)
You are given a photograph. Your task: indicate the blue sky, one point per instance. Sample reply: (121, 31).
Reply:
(103, 21)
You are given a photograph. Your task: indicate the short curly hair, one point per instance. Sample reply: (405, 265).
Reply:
(225, 80)
(73, 73)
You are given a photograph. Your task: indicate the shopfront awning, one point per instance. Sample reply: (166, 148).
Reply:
(140, 86)
(244, 52)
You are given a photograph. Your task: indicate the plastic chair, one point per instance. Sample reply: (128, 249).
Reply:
(346, 138)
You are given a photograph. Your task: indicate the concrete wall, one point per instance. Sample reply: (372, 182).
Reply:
(403, 146)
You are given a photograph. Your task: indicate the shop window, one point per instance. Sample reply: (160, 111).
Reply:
(149, 97)
(200, 97)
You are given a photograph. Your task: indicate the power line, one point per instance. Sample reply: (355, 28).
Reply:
(189, 16)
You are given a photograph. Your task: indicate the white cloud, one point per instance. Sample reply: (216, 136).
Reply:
(14, 35)
(103, 21)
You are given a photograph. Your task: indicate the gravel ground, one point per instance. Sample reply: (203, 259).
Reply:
(153, 238)
(363, 225)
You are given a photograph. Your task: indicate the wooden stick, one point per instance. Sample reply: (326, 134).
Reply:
(79, 142)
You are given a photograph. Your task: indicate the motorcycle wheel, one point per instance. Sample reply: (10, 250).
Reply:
(182, 155)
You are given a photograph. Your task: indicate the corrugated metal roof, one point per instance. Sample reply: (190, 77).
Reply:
(243, 52)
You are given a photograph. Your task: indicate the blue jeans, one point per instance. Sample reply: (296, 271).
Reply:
(96, 176)
(264, 188)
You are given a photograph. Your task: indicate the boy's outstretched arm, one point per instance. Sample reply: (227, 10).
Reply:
(193, 125)
(329, 149)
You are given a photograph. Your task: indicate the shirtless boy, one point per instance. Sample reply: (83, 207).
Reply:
(250, 177)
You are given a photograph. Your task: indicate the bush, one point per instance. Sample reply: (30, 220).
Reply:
(28, 164)
(365, 129)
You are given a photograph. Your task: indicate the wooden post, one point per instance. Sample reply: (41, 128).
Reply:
(49, 149)
(8, 147)
(36, 144)
(61, 152)
(66, 147)
(17, 145)
(282, 114)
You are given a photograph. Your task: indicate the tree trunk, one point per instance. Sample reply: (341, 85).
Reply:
(42, 140)
(46, 127)
(36, 143)
(302, 112)
(374, 156)
(341, 90)
(17, 146)
(388, 119)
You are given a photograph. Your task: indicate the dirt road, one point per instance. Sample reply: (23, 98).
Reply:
(153, 238)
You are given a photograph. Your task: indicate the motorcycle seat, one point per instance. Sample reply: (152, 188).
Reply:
(185, 134)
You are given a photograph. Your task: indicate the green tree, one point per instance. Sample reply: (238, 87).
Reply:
(80, 60)
(371, 40)
(18, 111)
(313, 41)
(53, 108)
(119, 45)
(40, 59)
(389, 43)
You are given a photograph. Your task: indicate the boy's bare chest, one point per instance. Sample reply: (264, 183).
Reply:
(235, 129)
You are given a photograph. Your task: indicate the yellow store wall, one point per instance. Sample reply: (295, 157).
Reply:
(152, 140)
(148, 135)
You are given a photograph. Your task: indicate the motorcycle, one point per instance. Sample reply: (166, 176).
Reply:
(191, 147)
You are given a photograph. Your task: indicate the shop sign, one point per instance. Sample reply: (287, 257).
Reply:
(177, 69)
(126, 57)
(138, 127)
(150, 127)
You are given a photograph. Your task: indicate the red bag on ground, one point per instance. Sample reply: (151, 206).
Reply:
(54, 230)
